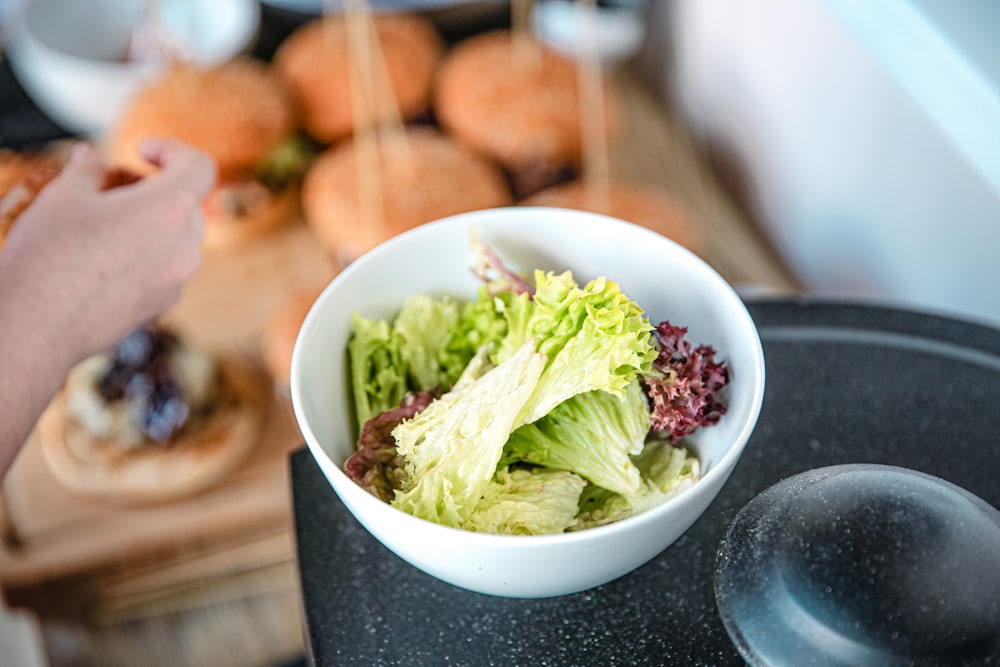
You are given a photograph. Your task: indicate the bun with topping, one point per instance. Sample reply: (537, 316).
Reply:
(152, 420)
(24, 175)
(242, 115)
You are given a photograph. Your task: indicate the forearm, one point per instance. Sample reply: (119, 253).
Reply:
(32, 369)
(83, 265)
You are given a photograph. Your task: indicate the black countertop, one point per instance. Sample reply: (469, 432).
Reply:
(845, 384)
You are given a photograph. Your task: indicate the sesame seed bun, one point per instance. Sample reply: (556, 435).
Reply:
(238, 113)
(516, 101)
(645, 205)
(315, 61)
(422, 175)
(235, 112)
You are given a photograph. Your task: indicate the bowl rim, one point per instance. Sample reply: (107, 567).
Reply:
(715, 477)
(22, 33)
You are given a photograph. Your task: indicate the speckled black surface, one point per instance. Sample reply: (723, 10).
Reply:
(845, 384)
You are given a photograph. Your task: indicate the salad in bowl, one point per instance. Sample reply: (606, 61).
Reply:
(527, 401)
(540, 406)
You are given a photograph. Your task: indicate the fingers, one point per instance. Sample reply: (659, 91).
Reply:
(181, 166)
(85, 168)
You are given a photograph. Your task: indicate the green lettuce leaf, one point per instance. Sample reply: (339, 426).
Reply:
(592, 434)
(452, 447)
(527, 501)
(426, 346)
(593, 337)
(424, 325)
(666, 471)
(480, 324)
(378, 372)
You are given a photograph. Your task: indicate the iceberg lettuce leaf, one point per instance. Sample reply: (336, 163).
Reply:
(453, 446)
(527, 501)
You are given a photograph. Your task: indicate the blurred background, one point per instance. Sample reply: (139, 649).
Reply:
(843, 149)
(863, 137)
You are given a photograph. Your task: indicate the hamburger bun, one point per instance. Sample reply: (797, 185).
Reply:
(423, 175)
(315, 61)
(645, 205)
(280, 332)
(517, 102)
(122, 471)
(22, 177)
(241, 115)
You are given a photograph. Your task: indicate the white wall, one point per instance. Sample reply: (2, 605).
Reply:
(870, 132)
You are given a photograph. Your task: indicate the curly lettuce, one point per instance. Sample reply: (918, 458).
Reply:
(425, 347)
(592, 434)
(537, 407)
(593, 338)
(665, 470)
(452, 447)
(685, 384)
(378, 374)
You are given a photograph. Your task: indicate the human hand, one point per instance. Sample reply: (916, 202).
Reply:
(86, 265)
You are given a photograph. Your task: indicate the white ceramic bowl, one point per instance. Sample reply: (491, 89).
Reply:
(69, 55)
(668, 281)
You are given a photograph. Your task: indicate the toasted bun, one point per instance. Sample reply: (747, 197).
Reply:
(422, 176)
(645, 205)
(22, 177)
(280, 332)
(515, 100)
(315, 61)
(235, 112)
(17, 167)
(96, 469)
